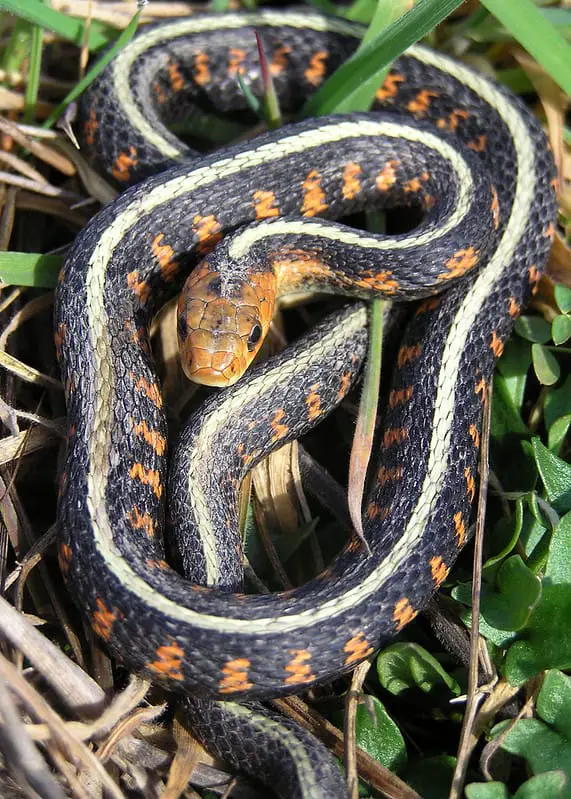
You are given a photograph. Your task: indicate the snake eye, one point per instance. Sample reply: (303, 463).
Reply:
(182, 328)
(254, 337)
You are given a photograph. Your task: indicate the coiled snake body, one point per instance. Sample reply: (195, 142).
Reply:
(457, 146)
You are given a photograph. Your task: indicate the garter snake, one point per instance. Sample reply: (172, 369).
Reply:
(454, 144)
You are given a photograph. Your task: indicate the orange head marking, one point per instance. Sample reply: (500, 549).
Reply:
(222, 327)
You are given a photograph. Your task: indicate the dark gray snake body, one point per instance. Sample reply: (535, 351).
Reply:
(134, 253)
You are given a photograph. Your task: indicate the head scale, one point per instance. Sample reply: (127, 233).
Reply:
(222, 324)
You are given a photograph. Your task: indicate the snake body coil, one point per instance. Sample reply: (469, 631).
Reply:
(457, 146)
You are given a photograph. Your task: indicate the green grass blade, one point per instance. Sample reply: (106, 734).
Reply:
(387, 11)
(33, 74)
(489, 29)
(29, 269)
(97, 68)
(254, 103)
(65, 26)
(471, 23)
(17, 49)
(529, 26)
(364, 10)
(515, 79)
(272, 113)
(377, 54)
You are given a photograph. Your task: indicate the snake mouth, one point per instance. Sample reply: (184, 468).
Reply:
(208, 376)
(211, 378)
(213, 359)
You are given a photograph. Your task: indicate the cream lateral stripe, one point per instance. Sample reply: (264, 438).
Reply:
(284, 737)
(244, 241)
(442, 420)
(198, 467)
(164, 33)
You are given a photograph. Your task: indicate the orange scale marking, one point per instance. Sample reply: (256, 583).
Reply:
(169, 661)
(138, 286)
(390, 86)
(407, 354)
(175, 77)
(123, 163)
(317, 67)
(387, 176)
(280, 430)
(64, 557)
(351, 182)
(438, 570)
(201, 71)
(357, 649)
(421, 102)
(103, 620)
(149, 477)
(90, 128)
(153, 438)
(298, 668)
(151, 390)
(235, 60)
(459, 529)
(376, 511)
(141, 521)
(313, 402)
(279, 60)
(265, 204)
(235, 676)
(208, 230)
(313, 195)
(460, 263)
(403, 613)
(164, 254)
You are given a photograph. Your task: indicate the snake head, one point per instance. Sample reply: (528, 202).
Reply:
(222, 327)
